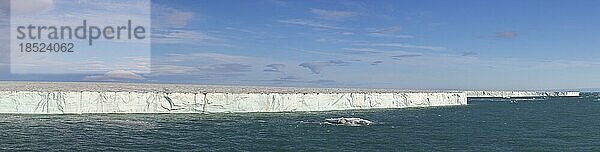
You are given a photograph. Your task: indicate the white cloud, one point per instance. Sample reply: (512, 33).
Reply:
(320, 53)
(361, 50)
(52, 65)
(170, 26)
(118, 75)
(332, 15)
(168, 18)
(182, 37)
(402, 56)
(211, 57)
(309, 24)
(204, 64)
(339, 40)
(392, 35)
(134, 64)
(388, 30)
(180, 19)
(409, 46)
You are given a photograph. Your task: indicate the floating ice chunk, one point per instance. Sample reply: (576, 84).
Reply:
(348, 121)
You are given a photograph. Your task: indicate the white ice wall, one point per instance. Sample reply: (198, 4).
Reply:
(131, 102)
(507, 94)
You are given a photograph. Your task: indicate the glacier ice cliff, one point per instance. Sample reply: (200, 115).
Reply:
(29, 102)
(82, 97)
(515, 94)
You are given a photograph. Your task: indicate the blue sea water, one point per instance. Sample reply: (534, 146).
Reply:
(552, 124)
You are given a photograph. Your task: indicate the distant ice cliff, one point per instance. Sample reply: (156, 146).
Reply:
(515, 94)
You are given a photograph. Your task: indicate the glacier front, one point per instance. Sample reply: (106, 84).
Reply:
(86, 97)
(27, 102)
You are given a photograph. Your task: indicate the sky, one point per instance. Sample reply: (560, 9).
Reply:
(89, 56)
(426, 44)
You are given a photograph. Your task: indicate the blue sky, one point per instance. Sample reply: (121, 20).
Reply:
(463, 44)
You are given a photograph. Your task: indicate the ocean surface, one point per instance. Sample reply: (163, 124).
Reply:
(551, 124)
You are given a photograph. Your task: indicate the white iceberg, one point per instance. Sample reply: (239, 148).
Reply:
(348, 121)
